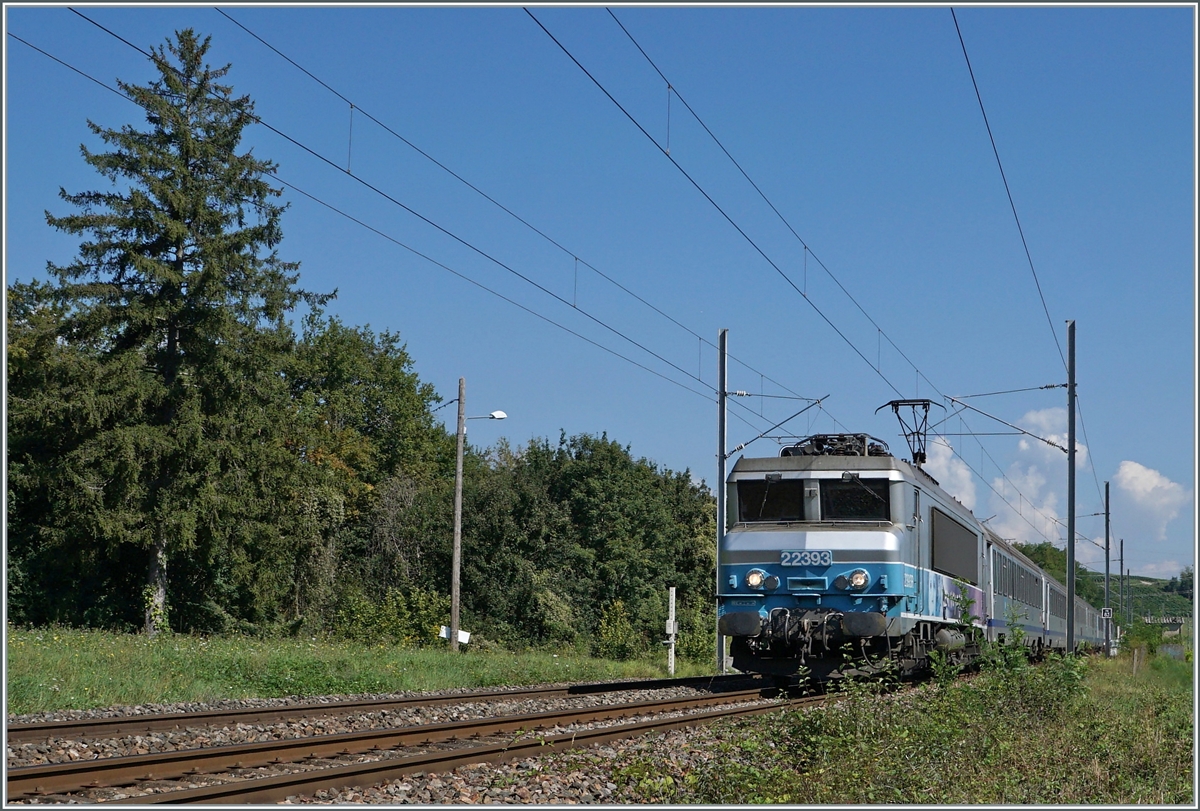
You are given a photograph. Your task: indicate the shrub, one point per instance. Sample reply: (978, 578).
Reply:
(615, 637)
(411, 617)
(696, 641)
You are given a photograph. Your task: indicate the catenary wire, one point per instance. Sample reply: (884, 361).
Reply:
(740, 231)
(473, 281)
(554, 242)
(302, 146)
(499, 295)
(714, 203)
(757, 189)
(673, 88)
(719, 209)
(435, 225)
(1007, 190)
(495, 202)
(482, 286)
(398, 242)
(1017, 220)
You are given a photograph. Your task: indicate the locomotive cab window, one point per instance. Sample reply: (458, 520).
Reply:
(775, 500)
(771, 500)
(855, 499)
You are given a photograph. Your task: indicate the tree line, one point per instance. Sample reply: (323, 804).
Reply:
(195, 445)
(1182, 584)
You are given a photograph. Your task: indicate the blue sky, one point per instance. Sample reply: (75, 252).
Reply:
(861, 127)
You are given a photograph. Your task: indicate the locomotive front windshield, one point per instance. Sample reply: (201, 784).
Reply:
(855, 500)
(765, 500)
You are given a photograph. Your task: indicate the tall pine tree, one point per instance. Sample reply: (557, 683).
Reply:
(177, 463)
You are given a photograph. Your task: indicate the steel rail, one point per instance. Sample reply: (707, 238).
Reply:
(280, 787)
(63, 778)
(118, 725)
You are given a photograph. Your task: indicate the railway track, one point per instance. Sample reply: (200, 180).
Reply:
(132, 724)
(274, 770)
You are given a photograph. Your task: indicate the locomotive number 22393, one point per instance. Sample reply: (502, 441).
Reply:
(805, 557)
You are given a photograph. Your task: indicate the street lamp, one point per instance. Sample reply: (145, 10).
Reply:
(456, 565)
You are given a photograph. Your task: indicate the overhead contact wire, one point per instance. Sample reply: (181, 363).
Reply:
(794, 233)
(1007, 190)
(823, 266)
(766, 200)
(1020, 230)
(506, 267)
(435, 225)
(495, 293)
(482, 286)
(713, 202)
(808, 250)
(485, 195)
(386, 236)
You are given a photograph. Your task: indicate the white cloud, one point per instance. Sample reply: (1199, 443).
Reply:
(1028, 497)
(1051, 424)
(1026, 508)
(1029, 502)
(1165, 569)
(951, 472)
(1150, 500)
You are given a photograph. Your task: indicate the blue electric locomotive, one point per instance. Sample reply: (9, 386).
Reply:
(836, 551)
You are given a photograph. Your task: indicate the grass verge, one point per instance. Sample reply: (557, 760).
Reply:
(1069, 731)
(55, 669)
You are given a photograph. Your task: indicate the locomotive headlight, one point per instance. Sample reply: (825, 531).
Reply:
(859, 579)
(755, 578)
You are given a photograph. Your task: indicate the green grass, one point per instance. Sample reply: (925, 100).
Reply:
(55, 668)
(1071, 731)
(1061, 733)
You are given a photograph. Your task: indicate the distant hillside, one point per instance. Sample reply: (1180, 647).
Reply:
(1147, 597)
(1145, 594)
